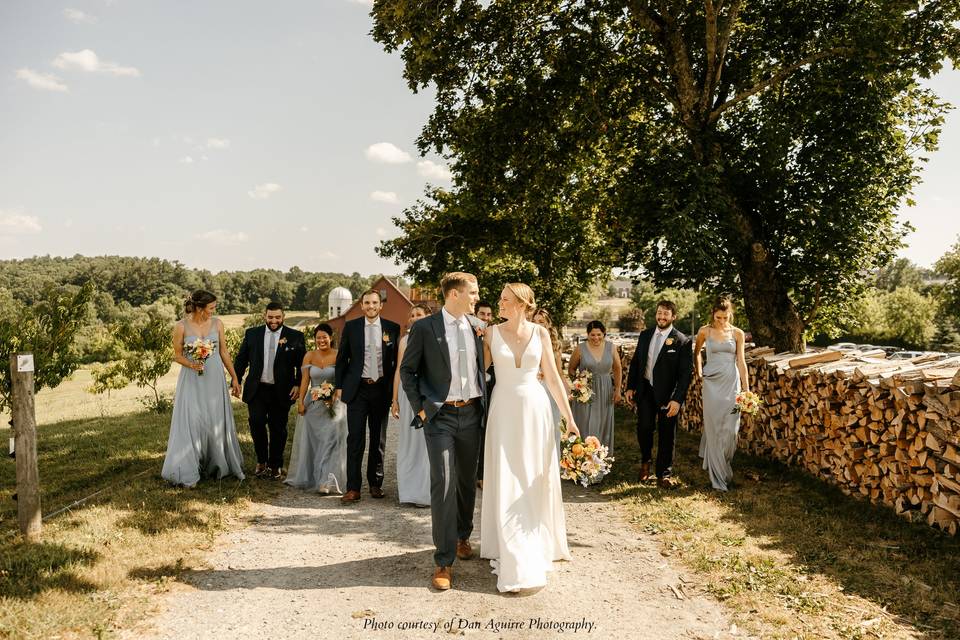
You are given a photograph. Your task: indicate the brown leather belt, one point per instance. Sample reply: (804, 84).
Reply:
(460, 403)
(370, 380)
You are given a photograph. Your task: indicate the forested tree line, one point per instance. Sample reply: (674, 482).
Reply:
(122, 281)
(904, 305)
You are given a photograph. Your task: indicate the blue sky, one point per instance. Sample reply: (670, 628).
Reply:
(241, 134)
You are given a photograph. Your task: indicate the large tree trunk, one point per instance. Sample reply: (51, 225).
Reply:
(774, 320)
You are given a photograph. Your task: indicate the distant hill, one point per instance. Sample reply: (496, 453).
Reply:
(140, 281)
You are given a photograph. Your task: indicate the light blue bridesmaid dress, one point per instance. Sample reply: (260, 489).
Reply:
(721, 384)
(203, 436)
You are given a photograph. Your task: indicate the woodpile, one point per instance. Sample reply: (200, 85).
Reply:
(888, 431)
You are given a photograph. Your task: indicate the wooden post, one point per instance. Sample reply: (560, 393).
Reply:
(25, 432)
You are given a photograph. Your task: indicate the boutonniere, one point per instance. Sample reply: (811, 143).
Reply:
(669, 342)
(479, 331)
(386, 338)
(282, 341)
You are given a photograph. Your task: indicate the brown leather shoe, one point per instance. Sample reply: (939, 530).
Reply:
(261, 471)
(666, 483)
(350, 496)
(442, 578)
(464, 550)
(376, 492)
(644, 472)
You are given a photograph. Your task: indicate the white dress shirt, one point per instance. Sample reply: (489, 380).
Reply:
(372, 339)
(266, 376)
(651, 356)
(451, 326)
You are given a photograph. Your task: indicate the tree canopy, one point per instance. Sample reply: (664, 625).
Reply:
(758, 146)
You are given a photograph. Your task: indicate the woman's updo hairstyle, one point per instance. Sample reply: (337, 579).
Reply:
(198, 301)
(722, 303)
(596, 324)
(524, 295)
(326, 328)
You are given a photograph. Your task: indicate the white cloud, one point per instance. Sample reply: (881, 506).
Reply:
(223, 237)
(429, 169)
(264, 191)
(44, 81)
(17, 224)
(387, 197)
(87, 60)
(387, 153)
(186, 160)
(79, 17)
(381, 232)
(304, 229)
(218, 143)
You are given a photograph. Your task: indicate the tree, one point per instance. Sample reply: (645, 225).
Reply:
(949, 266)
(762, 147)
(899, 273)
(144, 340)
(45, 328)
(904, 316)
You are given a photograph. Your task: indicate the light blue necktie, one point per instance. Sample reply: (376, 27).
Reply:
(652, 360)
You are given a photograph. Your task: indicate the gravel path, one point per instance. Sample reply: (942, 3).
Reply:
(308, 567)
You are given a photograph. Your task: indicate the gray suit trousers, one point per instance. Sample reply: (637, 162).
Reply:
(453, 446)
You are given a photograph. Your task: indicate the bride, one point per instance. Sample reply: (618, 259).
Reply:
(522, 527)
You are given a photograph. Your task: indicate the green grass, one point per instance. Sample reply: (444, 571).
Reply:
(791, 556)
(98, 564)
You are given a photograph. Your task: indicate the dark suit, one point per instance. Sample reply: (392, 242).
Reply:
(367, 400)
(672, 371)
(452, 433)
(269, 404)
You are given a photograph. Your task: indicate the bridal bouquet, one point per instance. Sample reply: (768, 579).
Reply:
(324, 392)
(199, 350)
(584, 461)
(747, 402)
(581, 386)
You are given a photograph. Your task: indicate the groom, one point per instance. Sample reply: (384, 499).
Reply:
(274, 354)
(659, 375)
(442, 375)
(366, 363)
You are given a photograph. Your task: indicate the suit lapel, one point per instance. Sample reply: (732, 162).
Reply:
(644, 347)
(440, 332)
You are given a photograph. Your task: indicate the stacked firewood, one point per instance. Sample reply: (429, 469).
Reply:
(888, 431)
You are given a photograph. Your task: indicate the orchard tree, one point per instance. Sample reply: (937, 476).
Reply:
(47, 329)
(762, 147)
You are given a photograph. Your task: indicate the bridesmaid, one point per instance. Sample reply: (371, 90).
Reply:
(598, 356)
(203, 436)
(413, 466)
(724, 375)
(318, 461)
(542, 317)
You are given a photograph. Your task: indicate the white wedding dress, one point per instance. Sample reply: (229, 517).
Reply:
(522, 526)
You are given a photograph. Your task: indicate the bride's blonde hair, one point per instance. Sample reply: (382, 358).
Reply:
(524, 295)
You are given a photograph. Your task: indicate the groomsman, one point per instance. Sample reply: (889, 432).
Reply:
(366, 362)
(485, 314)
(660, 373)
(274, 354)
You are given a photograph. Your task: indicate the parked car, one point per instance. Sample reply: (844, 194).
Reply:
(906, 355)
(843, 346)
(890, 350)
(867, 347)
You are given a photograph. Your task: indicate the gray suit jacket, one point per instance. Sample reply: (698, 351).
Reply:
(425, 369)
